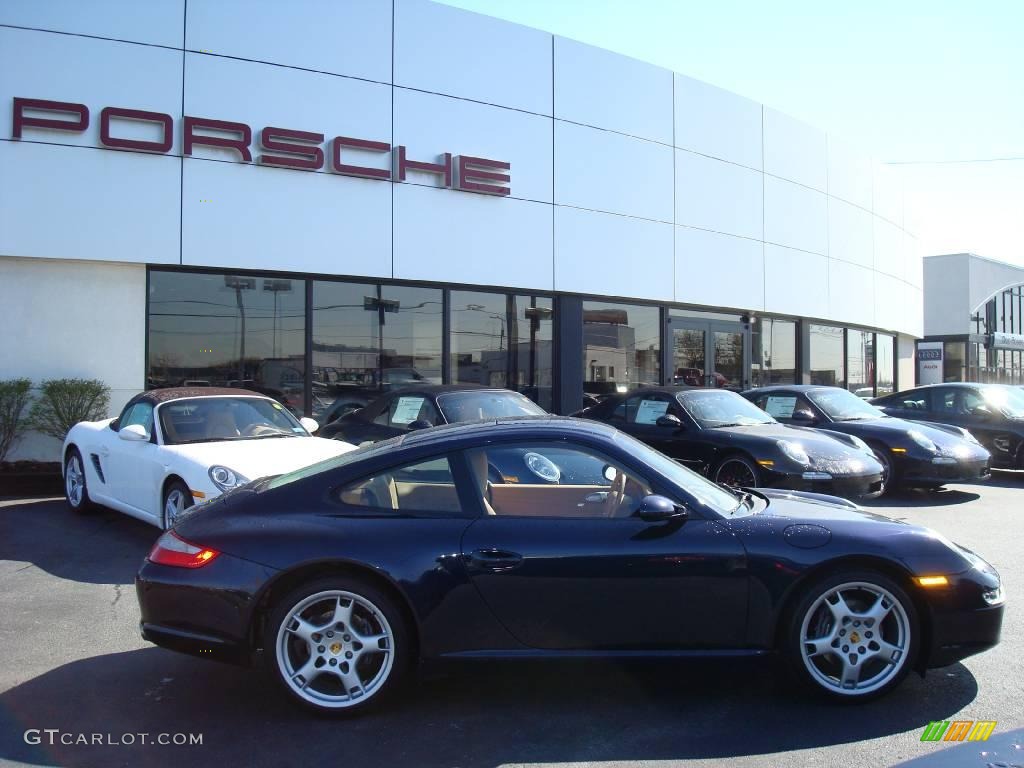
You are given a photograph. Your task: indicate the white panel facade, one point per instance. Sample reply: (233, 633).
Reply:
(723, 197)
(912, 261)
(795, 216)
(891, 296)
(344, 37)
(428, 124)
(96, 73)
(848, 284)
(717, 123)
(795, 151)
(605, 171)
(888, 193)
(849, 174)
(157, 22)
(460, 237)
(889, 258)
(248, 217)
(913, 311)
(75, 202)
(586, 241)
(263, 95)
(719, 270)
(795, 282)
(445, 50)
(607, 90)
(850, 233)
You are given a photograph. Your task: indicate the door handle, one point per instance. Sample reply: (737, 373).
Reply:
(494, 559)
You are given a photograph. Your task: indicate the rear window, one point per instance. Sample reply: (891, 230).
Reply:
(335, 462)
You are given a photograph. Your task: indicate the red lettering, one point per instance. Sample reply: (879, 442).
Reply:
(240, 144)
(444, 168)
(471, 176)
(21, 120)
(166, 123)
(310, 158)
(358, 170)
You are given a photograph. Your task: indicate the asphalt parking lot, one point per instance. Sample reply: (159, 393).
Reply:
(73, 661)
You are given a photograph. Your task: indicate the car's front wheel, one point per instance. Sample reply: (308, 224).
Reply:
(339, 645)
(888, 471)
(737, 472)
(177, 498)
(853, 636)
(75, 491)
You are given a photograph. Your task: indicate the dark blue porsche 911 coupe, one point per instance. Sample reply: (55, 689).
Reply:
(556, 538)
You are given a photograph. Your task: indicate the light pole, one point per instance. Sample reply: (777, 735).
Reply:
(276, 286)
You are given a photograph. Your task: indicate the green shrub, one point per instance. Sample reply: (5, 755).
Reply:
(62, 403)
(13, 399)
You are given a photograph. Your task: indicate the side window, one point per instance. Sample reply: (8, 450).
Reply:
(908, 401)
(142, 414)
(945, 401)
(554, 480)
(403, 411)
(426, 486)
(971, 402)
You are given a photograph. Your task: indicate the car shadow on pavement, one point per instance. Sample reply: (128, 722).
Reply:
(478, 715)
(921, 497)
(101, 547)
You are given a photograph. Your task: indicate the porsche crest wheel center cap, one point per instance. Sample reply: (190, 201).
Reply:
(854, 637)
(335, 648)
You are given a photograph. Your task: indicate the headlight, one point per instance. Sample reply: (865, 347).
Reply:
(795, 451)
(921, 440)
(225, 478)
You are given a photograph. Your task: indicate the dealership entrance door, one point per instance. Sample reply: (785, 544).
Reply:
(707, 353)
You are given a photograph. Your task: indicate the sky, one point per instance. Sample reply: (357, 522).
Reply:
(928, 85)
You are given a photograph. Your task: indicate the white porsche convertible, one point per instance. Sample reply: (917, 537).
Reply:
(171, 448)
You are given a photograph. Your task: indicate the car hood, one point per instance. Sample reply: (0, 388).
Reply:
(889, 428)
(801, 507)
(819, 446)
(260, 458)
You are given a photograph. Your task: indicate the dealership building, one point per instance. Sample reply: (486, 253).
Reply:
(362, 193)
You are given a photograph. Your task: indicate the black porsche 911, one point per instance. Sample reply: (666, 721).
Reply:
(993, 413)
(427, 405)
(725, 437)
(911, 453)
(342, 576)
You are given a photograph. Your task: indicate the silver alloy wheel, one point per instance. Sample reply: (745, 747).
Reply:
(335, 649)
(855, 638)
(74, 481)
(174, 505)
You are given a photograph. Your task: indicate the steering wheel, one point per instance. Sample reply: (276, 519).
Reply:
(253, 430)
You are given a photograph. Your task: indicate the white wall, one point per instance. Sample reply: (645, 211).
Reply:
(699, 195)
(53, 311)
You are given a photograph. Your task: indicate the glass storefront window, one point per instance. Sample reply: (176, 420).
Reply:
(773, 351)
(885, 373)
(368, 338)
(954, 361)
(621, 347)
(209, 329)
(860, 363)
(503, 340)
(826, 355)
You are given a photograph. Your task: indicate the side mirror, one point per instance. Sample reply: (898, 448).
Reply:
(656, 509)
(669, 420)
(135, 433)
(310, 425)
(420, 424)
(802, 417)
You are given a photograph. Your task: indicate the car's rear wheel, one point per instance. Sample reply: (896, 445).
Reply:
(737, 472)
(177, 498)
(75, 491)
(340, 645)
(853, 636)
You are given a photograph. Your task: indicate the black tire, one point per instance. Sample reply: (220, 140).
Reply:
(889, 476)
(80, 503)
(731, 467)
(332, 696)
(809, 609)
(173, 487)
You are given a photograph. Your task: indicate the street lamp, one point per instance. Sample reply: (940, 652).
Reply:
(276, 286)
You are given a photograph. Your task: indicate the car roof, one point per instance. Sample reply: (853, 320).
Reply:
(156, 396)
(789, 387)
(508, 427)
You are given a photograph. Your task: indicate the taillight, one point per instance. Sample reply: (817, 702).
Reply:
(174, 551)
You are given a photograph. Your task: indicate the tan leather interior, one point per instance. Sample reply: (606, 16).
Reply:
(478, 466)
(382, 492)
(547, 500)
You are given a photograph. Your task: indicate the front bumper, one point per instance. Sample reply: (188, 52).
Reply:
(866, 486)
(925, 471)
(962, 622)
(205, 612)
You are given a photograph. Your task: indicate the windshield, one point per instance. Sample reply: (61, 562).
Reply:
(719, 408)
(1007, 399)
(212, 419)
(703, 490)
(841, 405)
(474, 406)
